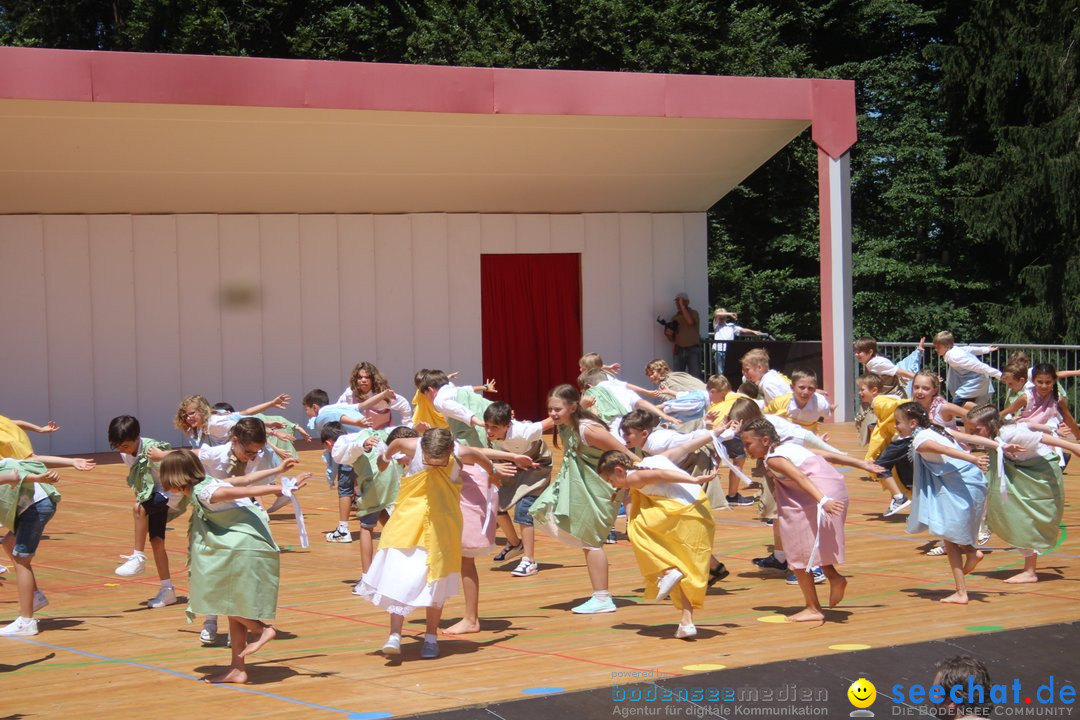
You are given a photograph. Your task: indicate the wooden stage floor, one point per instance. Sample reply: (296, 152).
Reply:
(102, 653)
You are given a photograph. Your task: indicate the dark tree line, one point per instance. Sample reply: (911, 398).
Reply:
(965, 179)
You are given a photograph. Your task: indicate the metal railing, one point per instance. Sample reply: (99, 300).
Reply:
(1062, 357)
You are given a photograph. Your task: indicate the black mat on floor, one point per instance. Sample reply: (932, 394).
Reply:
(1023, 661)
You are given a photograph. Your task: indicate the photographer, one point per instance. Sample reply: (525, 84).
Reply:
(686, 337)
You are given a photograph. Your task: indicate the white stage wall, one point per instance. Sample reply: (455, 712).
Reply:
(113, 314)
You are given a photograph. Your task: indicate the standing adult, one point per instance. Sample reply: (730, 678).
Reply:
(687, 349)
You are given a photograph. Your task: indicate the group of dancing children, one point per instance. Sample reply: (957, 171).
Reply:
(443, 473)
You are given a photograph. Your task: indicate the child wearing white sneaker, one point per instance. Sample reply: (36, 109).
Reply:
(27, 503)
(578, 507)
(226, 523)
(507, 433)
(670, 527)
(151, 509)
(418, 563)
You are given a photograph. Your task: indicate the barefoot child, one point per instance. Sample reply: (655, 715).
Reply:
(151, 509)
(811, 505)
(234, 560)
(578, 507)
(418, 563)
(670, 527)
(949, 493)
(1026, 499)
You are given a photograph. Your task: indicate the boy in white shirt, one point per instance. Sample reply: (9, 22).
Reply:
(969, 377)
(771, 384)
(890, 373)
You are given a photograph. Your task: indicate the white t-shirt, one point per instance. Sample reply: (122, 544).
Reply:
(626, 397)
(446, 403)
(816, 408)
(772, 386)
(880, 366)
(1021, 434)
(662, 439)
(217, 461)
(797, 454)
(685, 493)
(726, 331)
(925, 435)
(520, 437)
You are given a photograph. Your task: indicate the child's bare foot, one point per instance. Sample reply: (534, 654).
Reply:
(837, 586)
(973, 559)
(255, 645)
(807, 615)
(956, 598)
(1027, 576)
(232, 676)
(463, 627)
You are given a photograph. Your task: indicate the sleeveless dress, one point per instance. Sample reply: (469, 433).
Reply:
(801, 526)
(578, 507)
(949, 494)
(418, 563)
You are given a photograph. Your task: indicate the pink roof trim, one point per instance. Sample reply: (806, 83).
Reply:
(87, 76)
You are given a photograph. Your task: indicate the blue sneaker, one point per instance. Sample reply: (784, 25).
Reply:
(595, 605)
(429, 650)
(819, 577)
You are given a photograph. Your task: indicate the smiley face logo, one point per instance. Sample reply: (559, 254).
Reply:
(862, 693)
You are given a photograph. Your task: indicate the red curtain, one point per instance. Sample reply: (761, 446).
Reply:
(531, 315)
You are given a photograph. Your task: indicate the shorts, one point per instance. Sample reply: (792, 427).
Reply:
(157, 514)
(368, 522)
(734, 448)
(521, 510)
(346, 481)
(29, 526)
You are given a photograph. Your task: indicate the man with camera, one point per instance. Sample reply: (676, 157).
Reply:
(684, 331)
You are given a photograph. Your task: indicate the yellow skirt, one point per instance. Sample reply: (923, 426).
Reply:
(667, 534)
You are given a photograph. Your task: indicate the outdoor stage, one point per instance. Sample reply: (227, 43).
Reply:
(101, 653)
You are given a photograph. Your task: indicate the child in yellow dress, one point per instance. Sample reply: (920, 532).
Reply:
(670, 526)
(418, 563)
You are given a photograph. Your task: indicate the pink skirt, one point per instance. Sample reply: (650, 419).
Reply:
(797, 514)
(479, 506)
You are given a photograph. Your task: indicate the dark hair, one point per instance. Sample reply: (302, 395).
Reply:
(762, 428)
(744, 410)
(865, 343)
(639, 420)
(402, 431)
(973, 679)
(921, 416)
(750, 389)
(223, 408)
(1046, 369)
(570, 394)
(612, 459)
(437, 442)
(122, 429)
(332, 431)
(378, 382)
(498, 413)
(317, 397)
(433, 379)
(249, 430)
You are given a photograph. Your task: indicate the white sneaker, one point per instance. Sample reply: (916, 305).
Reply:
(208, 636)
(165, 596)
(667, 583)
(525, 567)
(896, 505)
(358, 587)
(984, 534)
(936, 551)
(686, 631)
(40, 600)
(392, 646)
(338, 536)
(135, 565)
(20, 626)
(3, 569)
